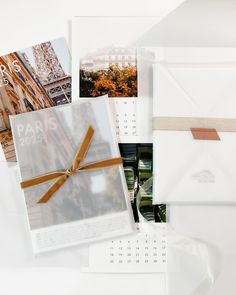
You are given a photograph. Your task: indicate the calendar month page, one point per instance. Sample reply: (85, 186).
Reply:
(144, 252)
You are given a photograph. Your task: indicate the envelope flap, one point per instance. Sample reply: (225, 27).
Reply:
(195, 90)
(170, 98)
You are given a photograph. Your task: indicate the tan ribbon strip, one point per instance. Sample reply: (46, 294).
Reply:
(187, 123)
(61, 176)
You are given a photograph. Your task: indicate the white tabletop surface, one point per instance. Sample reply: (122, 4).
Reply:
(26, 22)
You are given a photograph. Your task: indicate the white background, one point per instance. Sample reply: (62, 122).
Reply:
(27, 22)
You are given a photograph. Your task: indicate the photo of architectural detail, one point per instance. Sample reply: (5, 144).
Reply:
(138, 168)
(109, 70)
(51, 74)
(32, 79)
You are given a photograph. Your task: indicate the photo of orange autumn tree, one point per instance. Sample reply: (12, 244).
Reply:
(114, 81)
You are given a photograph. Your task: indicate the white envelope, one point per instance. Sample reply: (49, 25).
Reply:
(189, 170)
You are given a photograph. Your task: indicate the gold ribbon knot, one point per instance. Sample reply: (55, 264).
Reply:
(62, 176)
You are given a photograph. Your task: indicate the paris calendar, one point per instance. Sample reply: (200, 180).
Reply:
(31, 79)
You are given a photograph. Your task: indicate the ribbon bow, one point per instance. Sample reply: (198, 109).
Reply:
(62, 176)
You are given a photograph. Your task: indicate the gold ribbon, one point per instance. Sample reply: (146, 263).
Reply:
(62, 176)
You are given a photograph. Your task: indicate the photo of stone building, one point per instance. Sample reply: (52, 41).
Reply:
(109, 70)
(31, 79)
(103, 58)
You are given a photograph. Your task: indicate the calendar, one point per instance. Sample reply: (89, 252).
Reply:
(116, 67)
(144, 252)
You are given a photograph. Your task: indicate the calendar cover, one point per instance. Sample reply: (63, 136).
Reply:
(31, 79)
(92, 203)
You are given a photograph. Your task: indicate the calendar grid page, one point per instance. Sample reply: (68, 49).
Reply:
(144, 252)
(131, 117)
(125, 117)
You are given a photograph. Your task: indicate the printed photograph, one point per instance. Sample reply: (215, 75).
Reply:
(138, 168)
(31, 79)
(109, 70)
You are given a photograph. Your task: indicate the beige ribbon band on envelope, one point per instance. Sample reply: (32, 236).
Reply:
(187, 123)
(201, 128)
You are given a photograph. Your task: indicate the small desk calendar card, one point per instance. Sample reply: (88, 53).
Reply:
(109, 62)
(91, 204)
(146, 251)
(31, 79)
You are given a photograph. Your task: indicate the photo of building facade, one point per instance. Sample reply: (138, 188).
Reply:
(109, 70)
(29, 84)
(103, 58)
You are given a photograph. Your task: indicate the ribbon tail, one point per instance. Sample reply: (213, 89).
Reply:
(52, 189)
(40, 179)
(83, 148)
(102, 164)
